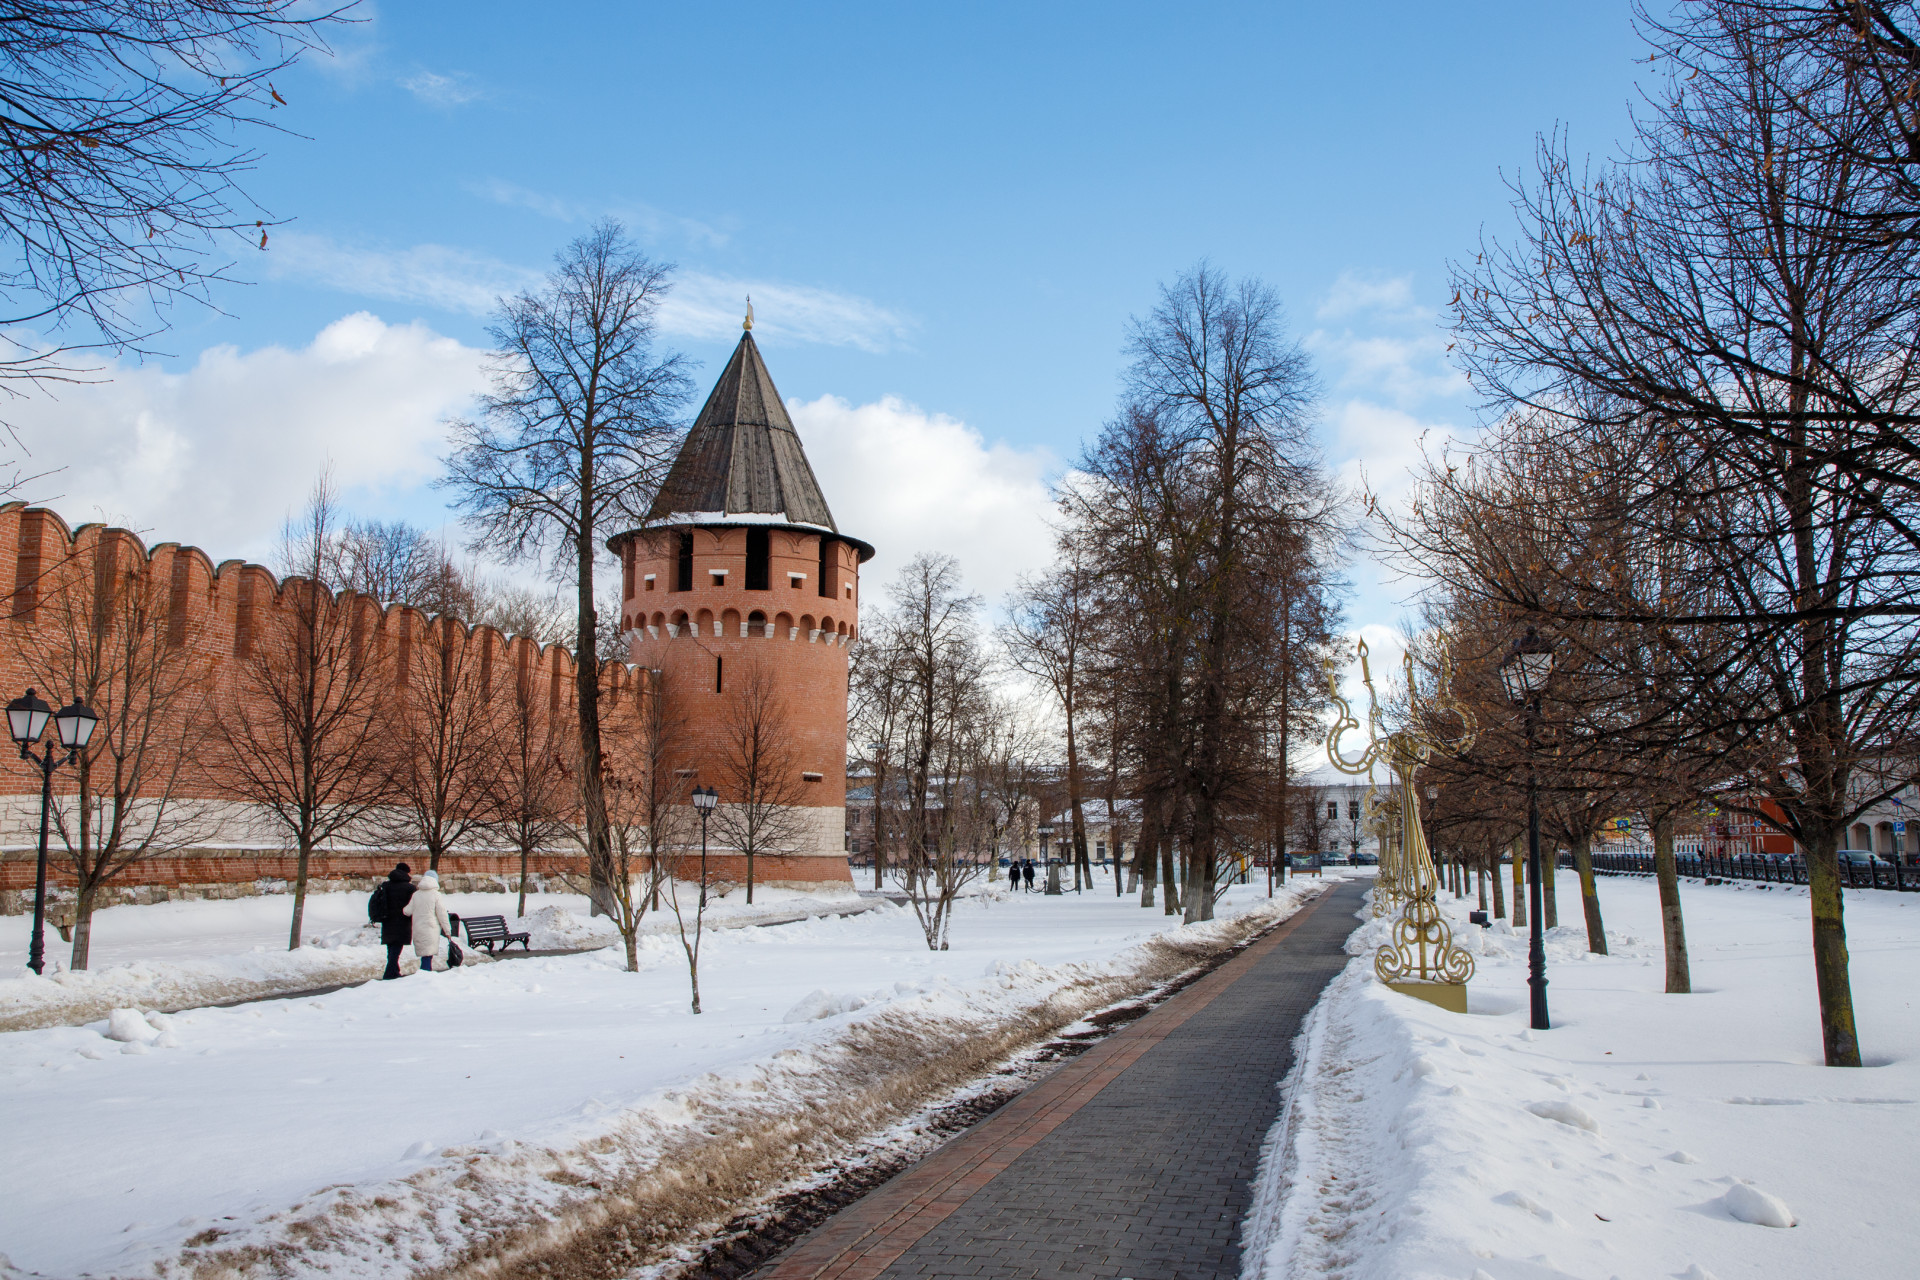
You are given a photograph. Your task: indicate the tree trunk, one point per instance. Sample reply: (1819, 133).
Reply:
(1480, 884)
(1499, 893)
(749, 877)
(1589, 893)
(525, 854)
(1837, 1031)
(82, 923)
(1673, 928)
(632, 939)
(299, 894)
(1077, 825)
(1196, 875)
(1146, 851)
(1170, 893)
(586, 683)
(1520, 882)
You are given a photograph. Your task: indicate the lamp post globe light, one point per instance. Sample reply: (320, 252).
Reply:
(73, 727)
(1524, 672)
(704, 798)
(1046, 859)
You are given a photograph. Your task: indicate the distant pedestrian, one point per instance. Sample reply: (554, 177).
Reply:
(388, 909)
(1027, 873)
(430, 923)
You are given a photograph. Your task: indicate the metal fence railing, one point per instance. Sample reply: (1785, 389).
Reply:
(1709, 866)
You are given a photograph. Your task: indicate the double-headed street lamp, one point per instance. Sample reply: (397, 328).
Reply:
(1524, 671)
(704, 798)
(27, 718)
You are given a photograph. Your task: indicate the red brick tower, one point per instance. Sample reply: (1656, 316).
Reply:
(740, 567)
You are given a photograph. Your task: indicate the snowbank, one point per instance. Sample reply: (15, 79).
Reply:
(1645, 1135)
(444, 1114)
(184, 955)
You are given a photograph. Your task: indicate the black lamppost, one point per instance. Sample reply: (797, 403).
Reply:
(1046, 859)
(704, 798)
(27, 718)
(1524, 672)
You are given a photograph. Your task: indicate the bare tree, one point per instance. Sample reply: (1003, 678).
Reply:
(396, 563)
(1308, 804)
(120, 160)
(762, 796)
(528, 785)
(647, 811)
(301, 734)
(877, 701)
(1047, 636)
(110, 642)
(1213, 364)
(926, 644)
(1705, 320)
(572, 441)
(446, 737)
(515, 610)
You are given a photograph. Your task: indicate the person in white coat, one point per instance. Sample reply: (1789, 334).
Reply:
(430, 923)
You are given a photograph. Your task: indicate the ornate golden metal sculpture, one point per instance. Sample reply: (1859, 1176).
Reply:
(1420, 958)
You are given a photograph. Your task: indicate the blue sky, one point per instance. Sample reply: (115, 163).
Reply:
(945, 214)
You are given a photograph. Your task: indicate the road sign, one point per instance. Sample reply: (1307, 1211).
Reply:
(1899, 828)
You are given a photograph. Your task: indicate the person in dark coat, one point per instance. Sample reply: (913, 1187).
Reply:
(388, 909)
(1027, 871)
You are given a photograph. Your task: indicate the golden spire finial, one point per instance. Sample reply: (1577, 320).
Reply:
(748, 326)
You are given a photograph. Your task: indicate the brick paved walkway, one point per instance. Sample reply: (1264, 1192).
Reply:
(1133, 1160)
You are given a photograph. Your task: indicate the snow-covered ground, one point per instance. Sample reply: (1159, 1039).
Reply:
(180, 955)
(1646, 1135)
(381, 1128)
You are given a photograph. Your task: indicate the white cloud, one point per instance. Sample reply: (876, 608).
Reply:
(218, 455)
(1353, 294)
(707, 306)
(1385, 346)
(515, 196)
(699, 305)
(651, 224)
(908, 481)
(432, 274)
(1377, 447)
(438, 90)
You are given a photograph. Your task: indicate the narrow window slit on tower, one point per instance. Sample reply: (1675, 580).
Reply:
(759, 554)
(683, 578)
(719, 685)
(826, 550)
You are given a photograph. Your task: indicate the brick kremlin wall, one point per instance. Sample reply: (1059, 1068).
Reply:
(218, 613)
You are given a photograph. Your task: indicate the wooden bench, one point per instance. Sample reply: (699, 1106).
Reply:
(491, 932)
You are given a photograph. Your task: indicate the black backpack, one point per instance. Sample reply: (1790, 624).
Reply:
(377, 905)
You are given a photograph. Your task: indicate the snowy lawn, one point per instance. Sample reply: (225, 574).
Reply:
(386, 1127)
(1646, 1135)
(179, 955)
